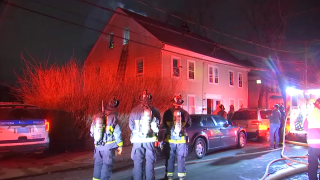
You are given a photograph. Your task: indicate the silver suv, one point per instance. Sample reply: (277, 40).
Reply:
(255, 121)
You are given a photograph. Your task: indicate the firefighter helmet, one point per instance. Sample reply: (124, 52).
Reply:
(145, 97)
(317, 103)
(112, 105)
(177, 100)
(276, 106)
(281, 107)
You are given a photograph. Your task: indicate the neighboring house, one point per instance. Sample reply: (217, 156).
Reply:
(265, 88)
(135, 45)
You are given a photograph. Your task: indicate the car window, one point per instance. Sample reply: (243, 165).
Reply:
(220, 120)
(196, 120)
(207, 121)
(264, 114)
(245, 115)
(16, 114)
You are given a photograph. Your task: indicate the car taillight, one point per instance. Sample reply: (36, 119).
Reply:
(47, 126)
(256, 123)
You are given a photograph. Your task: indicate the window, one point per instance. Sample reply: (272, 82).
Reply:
(231, 78)
(126, 36)
(207, 122)
(213, 75)
(245, 115)
(139, 67)
(176, 67)
(111, 41)
(240, 102)
(231, 102)
(191, 68)
(240, 80)
(191, 104)
(220, 120)
(264, 114)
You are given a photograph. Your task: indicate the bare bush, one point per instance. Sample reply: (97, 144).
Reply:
(79, 90)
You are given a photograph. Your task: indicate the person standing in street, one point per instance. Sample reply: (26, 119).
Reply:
(230, 113)
(175, 121)
(144, 123)
(312, 126)
(107, 137)
(274, 127)
(282, 124)
(222, 112)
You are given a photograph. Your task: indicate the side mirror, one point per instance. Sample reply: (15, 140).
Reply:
(226, 125)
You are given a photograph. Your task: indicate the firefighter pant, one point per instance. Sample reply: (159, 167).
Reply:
(173, 151)
(313, 160)
(281, 131)
(143, 152)
(274, 135)
(103, 163)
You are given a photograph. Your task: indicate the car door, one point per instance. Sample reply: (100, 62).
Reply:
(212, 131)
(228, 133)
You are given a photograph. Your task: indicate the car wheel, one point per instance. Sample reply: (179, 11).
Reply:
(200, 148)
(241, 140)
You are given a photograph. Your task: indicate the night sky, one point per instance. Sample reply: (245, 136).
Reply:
(49, 39)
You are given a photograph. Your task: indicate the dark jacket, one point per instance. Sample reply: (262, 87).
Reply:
(275, 117)
(168, 123)
(283, 117)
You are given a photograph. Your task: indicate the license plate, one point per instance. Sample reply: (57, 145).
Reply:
(36, 136)
(23, 130)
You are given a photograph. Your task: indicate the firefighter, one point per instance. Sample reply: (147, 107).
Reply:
(107, 137)
(222, 112)
(282, 125)
(175, 121)
(144, 124)
(312, 126)
(230, 113)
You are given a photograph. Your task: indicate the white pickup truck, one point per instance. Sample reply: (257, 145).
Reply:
(23, 128)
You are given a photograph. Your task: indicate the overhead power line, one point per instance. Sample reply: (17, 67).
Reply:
(85, 17)
(160, 48)
(312, 9)
(216, 31)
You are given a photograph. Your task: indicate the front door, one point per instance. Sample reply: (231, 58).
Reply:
(211, 130)
(210, 106)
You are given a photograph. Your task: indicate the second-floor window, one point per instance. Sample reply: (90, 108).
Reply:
(240, 80)
(191, 68)
(176, 67)
(139, 67)
(231, 78)
(111, 41)
(213, 73)
(126, 36)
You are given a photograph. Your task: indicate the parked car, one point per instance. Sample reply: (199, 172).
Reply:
(23, 129)
(211, 132)
(255, 121)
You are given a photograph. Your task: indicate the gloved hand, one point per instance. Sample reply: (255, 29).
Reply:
(119, 150)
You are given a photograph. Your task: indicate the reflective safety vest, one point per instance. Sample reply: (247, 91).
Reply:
(314, 128)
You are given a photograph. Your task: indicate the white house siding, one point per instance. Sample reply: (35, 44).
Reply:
(201, 88)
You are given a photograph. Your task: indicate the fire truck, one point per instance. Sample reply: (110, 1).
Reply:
(299, 104)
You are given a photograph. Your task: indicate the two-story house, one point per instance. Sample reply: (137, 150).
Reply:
(135, 45)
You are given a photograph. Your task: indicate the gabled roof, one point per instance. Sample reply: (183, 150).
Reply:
(179, 38)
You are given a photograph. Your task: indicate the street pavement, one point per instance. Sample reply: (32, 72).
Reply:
(243, 164)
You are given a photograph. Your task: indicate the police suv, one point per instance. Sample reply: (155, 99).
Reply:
(23, 128)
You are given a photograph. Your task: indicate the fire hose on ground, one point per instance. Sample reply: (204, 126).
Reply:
(302, 168)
